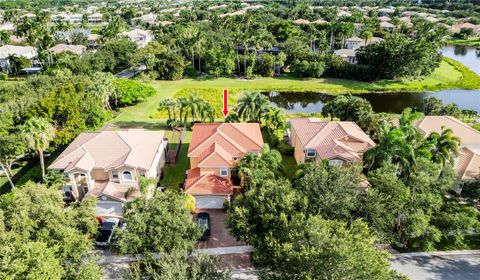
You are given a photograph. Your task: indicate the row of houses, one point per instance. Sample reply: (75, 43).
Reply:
(138, 36)
(110, 165)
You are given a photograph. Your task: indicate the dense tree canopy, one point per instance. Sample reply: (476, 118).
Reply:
(41, 238)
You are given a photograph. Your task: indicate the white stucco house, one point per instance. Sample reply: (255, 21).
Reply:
(139, 36)
(7, 50)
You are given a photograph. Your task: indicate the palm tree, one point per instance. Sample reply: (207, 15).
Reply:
(206, 111)
(252, 105)
(445, 145)
(274, 120)
(193, 106)
(38, 132)
(168, 105)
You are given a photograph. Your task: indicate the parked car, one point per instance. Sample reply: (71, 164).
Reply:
(106, 231)
(203, 220)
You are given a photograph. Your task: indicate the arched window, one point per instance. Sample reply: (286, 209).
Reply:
(127, 176)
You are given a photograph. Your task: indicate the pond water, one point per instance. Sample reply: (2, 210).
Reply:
(469, 56)
(310, 102)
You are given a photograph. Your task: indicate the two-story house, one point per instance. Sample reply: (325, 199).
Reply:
(213, 151)
(139, 36)
(336, 141)
(467, 162)
(109, 165)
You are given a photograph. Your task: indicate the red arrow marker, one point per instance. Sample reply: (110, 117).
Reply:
(225, 103)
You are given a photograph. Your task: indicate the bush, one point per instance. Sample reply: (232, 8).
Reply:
(285, 149)
(130, 92)
(3, 76)
(265, 65)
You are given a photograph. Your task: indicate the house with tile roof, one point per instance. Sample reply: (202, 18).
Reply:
(213, 151)
(109, 164)
(338, 142)
(75, 49)
(139, 36)
(467, 163)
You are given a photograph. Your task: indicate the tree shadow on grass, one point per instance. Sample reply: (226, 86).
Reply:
(139, 124)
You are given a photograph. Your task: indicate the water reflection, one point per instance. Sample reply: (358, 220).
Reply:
(469, 56)
(311, 102)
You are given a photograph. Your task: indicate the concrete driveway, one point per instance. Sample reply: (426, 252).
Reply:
(438, 266)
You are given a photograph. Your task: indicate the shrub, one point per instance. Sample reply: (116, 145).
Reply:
(130, 92)
(285, 149)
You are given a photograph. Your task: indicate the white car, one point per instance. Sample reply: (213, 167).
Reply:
(105, 232)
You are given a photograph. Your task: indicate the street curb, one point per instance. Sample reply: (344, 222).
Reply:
(437, 253)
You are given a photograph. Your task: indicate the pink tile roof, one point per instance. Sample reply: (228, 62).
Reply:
(344, 140)
(110, 149)
(235, 139)
(207, 184)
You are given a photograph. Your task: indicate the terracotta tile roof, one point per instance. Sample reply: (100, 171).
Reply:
(114, 190)
(332, 139)
(214, 155)
(467, 134)
(207, 184)
(235, 138)
(110, 149)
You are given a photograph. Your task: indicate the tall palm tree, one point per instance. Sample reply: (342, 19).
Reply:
(38, 132)
(193, 106)
(274, 120)
(445, 146)
(252, 105)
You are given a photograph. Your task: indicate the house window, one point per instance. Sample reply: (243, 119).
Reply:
(335, 162)
(114, 174)
(127, 176)
(85, 190)
(224, 171)
(235, 158)
(310, 153)
(142, 174)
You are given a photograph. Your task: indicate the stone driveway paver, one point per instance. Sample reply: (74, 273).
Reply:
(219, 236)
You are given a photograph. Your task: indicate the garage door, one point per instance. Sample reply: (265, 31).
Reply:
(209, 202)
(109, 209)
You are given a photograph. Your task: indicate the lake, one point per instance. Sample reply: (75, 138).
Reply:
(310, 102)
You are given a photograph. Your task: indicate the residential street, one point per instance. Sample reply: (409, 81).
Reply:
(439, 266)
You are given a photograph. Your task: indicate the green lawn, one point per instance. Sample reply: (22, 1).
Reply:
(474, 41)
(174, 175)
(450, 74)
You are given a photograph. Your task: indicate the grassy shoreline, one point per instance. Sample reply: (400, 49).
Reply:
(471, 42)
(450, 75)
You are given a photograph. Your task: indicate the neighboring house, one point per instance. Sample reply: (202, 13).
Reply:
(467, 163)
(76, 49)
(458, 27)
(7, 50)
(213, 152)
(109, 165)
(95, 18)
(384, 18)
(139, 36)
(354, 43)
(337, 142)
(344, 14)
(387, 26)
(386, 11)
(92, 41)
(349, 55)
(64, 17)
(150, 18)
